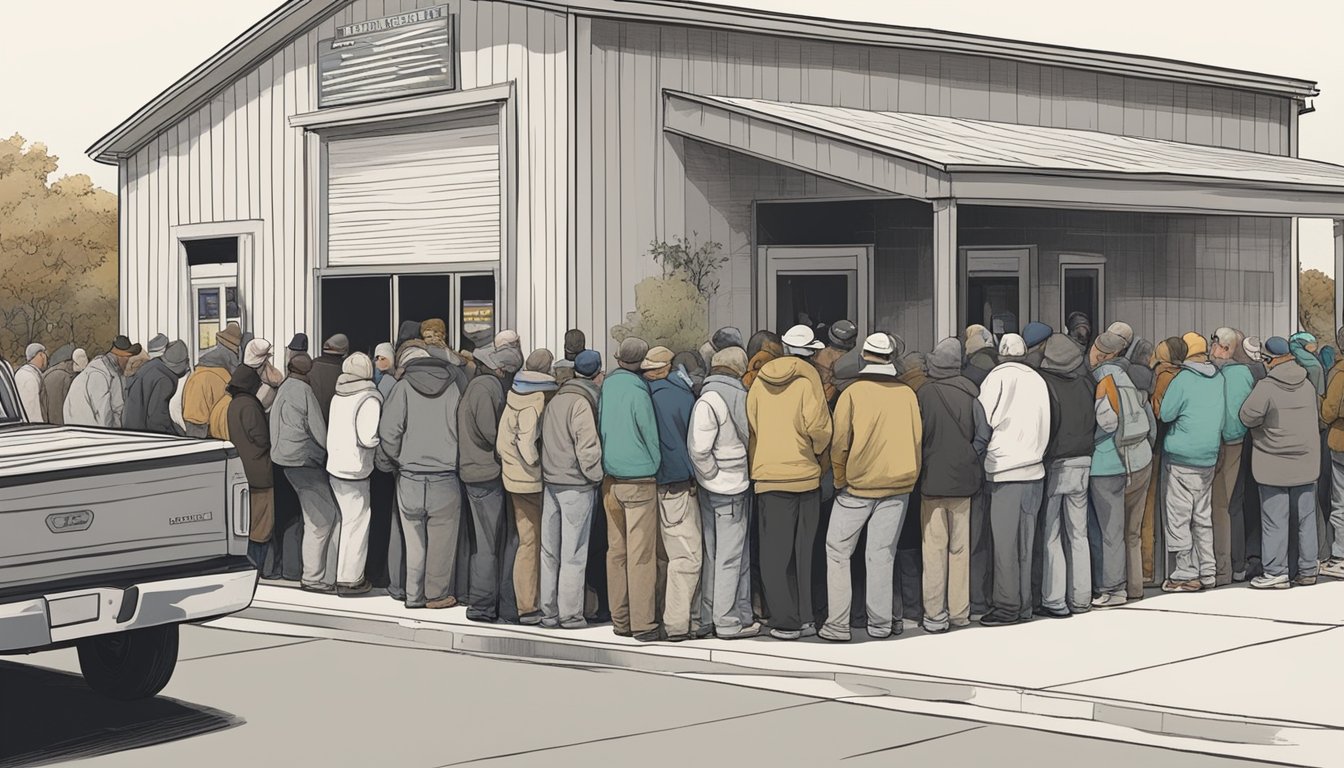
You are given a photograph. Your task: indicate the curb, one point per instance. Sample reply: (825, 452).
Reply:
(553, 646)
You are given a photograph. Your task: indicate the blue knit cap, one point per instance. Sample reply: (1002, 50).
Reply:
(1276, 346)
(1036, 333)
(588, 363)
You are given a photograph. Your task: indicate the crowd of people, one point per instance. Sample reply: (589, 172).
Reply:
(779, 484)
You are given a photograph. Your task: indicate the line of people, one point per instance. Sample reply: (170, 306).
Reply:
(767, 484)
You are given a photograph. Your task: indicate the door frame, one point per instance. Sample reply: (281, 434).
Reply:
(1097, 263)
(773, 260)
(993, 262)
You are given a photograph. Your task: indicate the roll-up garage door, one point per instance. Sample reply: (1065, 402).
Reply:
(432, 196)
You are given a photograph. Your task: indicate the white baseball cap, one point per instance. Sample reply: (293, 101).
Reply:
(879, 344)
(801, 337)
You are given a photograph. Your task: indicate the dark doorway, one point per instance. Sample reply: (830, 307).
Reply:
(993, 301)
(424, 297)
(478, 311)
(1082, 293)
(359, 307)
(213, 250)
(811, 300)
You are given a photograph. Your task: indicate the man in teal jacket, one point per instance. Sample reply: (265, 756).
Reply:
(631, 459)
(1229, 526)
(1195, 406)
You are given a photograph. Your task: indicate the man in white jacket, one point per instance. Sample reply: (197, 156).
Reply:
(717, 444)
(352, 436)
(97, 395)
(29, 381)
(1017, 406)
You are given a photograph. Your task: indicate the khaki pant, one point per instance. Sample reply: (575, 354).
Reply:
(261, 503)
(527, 564)
(679, 523)
(1148, 528)
(946, 524)
(632, 553)
(1224, 483)
(1136, 518)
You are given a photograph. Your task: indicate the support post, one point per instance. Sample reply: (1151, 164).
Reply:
(1339, 275)
(945, 299)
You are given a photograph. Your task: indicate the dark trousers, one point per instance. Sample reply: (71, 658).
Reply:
(1251, 513)
(491, 581)
(907, 594)
(788, 524)
(466, 537)
(596, 572)
(284, 557)
(384, 523)
(982, 554)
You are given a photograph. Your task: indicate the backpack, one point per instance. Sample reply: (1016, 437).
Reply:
(1133, 427)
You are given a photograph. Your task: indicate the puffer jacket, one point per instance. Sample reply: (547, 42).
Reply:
(418, 428)
(717, 441)
(518, 441)
(352, 432)
(206, 385)
(571, 445)
(97, 396)
(1017, 407)
(1332, 407)
(790, 427)
(878, 434)
(1195, 405)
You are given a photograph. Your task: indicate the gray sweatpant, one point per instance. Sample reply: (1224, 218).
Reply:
(1276, 504)
(1337, 503)
(1189, 522)
(1013, 510)
(566, 520)
(431, 510)
(725, 578)
(1108, 499)
(321, 524)
(486, 560)
(1066, 563)
(850, 515)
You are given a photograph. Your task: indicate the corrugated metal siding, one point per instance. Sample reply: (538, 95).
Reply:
(237, 158)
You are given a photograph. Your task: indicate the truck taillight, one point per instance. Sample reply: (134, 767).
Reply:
(241, 510)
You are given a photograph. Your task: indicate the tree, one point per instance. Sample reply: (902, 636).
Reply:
(673, 310)
(58, 254)
(1316, 305)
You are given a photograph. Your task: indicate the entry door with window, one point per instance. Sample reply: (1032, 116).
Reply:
(1082, 288)
(996, 288)
(212, 264)
(814, 286)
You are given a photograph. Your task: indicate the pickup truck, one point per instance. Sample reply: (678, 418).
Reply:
(109, 540)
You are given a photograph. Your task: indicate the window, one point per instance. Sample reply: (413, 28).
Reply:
(213, 266)
(476, 319)
(360, 308)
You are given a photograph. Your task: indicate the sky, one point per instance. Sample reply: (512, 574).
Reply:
(109, 58)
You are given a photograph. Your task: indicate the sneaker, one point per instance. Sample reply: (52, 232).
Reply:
(993, 619)
(1270, 582)
(1050, 613)
(622, 632)
(1109, 601)
(679, 638)
(550, 623)
(961, 623)
(752, 631)
(703, 632)
(319, 589)
(1192, 585)
(481, 618)
(785, 634)
(880, 635)
(809, 630)
(1238, 577)
(1334, 568)
(576, 624)
(362, 588)
(978, 616)
(834, 636)
(1208, 582)
(932, 630)
(530, 619)
(441, 603)
(652, 636)
(415, 606)
(1304, 581)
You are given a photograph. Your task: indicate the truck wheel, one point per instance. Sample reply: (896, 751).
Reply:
(129, 665)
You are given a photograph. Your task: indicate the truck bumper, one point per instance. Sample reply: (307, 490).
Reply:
(65, 615)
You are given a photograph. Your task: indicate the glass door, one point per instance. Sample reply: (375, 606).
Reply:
(815, 286)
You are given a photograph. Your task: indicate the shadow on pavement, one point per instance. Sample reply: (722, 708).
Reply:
(48, 716)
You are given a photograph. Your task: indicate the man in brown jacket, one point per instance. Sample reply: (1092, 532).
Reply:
(251, 437)
(790, 431)
(842, 334)
(206, 385)
(1332, 414)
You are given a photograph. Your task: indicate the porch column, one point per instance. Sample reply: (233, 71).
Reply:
(944, 268)
(1339, 273)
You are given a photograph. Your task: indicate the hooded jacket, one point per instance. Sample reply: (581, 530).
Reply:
(769, 350)
(981, 357)
(1332, 407)
(518, 440)
(718, 436)
(1168, 355)
(28, 380)
(248, 430)
(790, 427)
(418, 428)
(673, 400)
(298, 428)
(956, 432)
(629, 427)
(1111, 377)
(1195, 405)
(326, 370)
(478, 428)
(1017, 407)
(56, 386)
(1281, 415)
(97, 395)
(825, 361)
(571, 448)
(1237, 385)
(148, 397)
(352, 431)
(1297, 344)
(875, 451)
(205, 386)
(1073, 416)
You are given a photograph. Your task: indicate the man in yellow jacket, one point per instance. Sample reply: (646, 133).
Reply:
(876, 456)
(790, 430)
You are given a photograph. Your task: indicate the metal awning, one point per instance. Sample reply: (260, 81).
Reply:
(980, 162)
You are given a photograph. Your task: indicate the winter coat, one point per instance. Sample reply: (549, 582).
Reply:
(1237, 385)
(1332, 407)
(148, 397)
(352, 432)
(203, 389)
(218, 427)
(518, 441)
(323, 377)
(769, 351)
(956, 434)
(477, 428)
(298, 429)
(672, 403)
(718, 436)
(790, 427)
(97, 396)
(1195, 405)
(979, 364)
(875, 450)
(1281, 414)
(1017, 407)
(248, 430)
(386, 384)
(825, 361)
(571, 441)
(1073, 415)
(1309, 362)
(1106, 459)
(28, 380)
(55, 387)
(629, 427)
(418, 427)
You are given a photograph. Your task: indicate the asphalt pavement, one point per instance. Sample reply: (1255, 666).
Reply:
(252, 699)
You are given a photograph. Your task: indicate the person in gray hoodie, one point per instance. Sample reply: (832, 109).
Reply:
(490, 594)
(571, 471)
(1283, 417)
(418, 431)
(299, 447)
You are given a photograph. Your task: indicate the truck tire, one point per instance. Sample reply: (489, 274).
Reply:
(130, 665)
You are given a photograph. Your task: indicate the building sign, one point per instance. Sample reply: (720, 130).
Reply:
(410, 53)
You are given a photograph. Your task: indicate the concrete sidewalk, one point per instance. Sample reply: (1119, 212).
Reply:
(1256, 673)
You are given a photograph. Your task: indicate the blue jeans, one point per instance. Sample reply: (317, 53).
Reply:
(1276, 504)
(566, 521)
